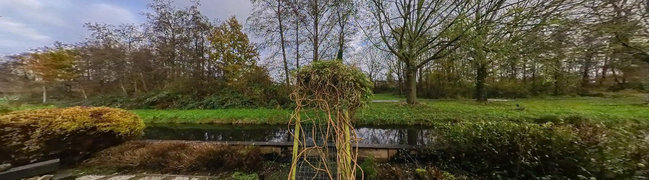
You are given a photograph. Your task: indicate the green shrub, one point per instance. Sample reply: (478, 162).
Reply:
(270, 96)
(243, 176)
(433, 173)
(226, 99)
(540, 86)
(438, 85)
(4, 108)
(118, 101)
(160, 100)
(67, 133)
(335, 83)
(507, 89)
(369, 169)
(528, 151)
(548, 118)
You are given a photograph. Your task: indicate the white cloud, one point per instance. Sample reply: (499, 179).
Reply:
(10, 27)
(32, 10)
(108, 14)
(222, 9)
(30, 4)
(28, 24)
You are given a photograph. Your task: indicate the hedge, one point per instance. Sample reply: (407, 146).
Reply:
(508, 150)
(67, 133)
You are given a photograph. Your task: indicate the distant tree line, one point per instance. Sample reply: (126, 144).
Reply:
(467, 48)
(419, 48)
(502, 48)
(177, 59)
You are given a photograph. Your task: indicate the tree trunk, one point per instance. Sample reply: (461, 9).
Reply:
(400, 78)
(135, 89)
(513, 72)
(341, 43)
(524, 72)
(585, 77)
(615, 78)
(143, 83)
(420, 77)
(83, 92)
(297, 44)
(604, 70)
(339, 55)
(481, 76)
(556, 84)
(44, 94)
(411, 84)
(316, 38)
(341, 35)
(121, 85)
(282, 41)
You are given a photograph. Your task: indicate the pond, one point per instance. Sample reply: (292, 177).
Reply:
(407, 135)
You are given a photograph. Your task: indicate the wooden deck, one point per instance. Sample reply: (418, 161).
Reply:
(381, 152)
(283, 144)
(30, 170)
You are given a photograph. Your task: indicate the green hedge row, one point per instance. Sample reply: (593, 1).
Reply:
(508, 150)
(278, 97)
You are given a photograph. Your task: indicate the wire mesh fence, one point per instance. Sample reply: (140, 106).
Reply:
(313, 167)
(319, 159)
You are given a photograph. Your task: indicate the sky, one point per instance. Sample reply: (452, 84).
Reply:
(30, 24)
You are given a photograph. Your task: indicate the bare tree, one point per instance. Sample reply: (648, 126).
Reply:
(418, 32)
(319, 24)
(344, 10)
(495, 25)
(268, 20)
(297, 19)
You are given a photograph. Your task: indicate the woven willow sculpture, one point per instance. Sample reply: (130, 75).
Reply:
(327, 94)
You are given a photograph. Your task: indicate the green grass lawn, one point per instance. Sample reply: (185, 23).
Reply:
(4, 106)
(431, 111)
(228, 116)
(384, 96)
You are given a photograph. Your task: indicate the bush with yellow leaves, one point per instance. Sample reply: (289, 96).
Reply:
(67, 133)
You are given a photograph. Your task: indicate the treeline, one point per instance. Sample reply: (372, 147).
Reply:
(466, 48)
(177, 59)
(515, 48)
(437, 49)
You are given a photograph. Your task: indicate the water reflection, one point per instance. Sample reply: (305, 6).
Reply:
(404, 135)
(368, 135)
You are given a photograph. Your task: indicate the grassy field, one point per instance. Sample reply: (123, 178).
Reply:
(599, 109)
(431, 111)
(233, 116)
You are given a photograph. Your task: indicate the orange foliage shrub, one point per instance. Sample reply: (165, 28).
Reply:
(67, 133)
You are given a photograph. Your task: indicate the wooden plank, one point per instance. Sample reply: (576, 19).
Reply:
(30, 170)
(284, 144)
(380, 155)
